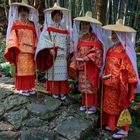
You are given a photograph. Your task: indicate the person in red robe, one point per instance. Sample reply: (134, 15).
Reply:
(88, 62)
(20, 50)
(119, 87)
(54, 49)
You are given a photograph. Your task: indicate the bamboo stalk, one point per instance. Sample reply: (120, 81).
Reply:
(59, 2)
(46, 4)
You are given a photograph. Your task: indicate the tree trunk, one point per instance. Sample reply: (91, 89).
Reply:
(108, 12)
(77, 8)
(59, 2)
(114, 10)
(118, 9)
(85, 7)
(134, 23)
(71, 7)
(101, 6)
(93, 7)
(123, 10)
(52, 2)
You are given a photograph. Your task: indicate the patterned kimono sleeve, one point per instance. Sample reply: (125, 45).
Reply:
(96, 56)
(12, 45)
(128, 81)
(13, 41)
(132, 78)
(43, 52)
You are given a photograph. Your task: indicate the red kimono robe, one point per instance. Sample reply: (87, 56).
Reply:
(119, 89)
(57, 71)
(20, 51)
(88, 79)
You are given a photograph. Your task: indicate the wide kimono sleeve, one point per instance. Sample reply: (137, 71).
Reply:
(95, 55)
(128, 82)
(93, 66)
(44, 60)
(12, 46)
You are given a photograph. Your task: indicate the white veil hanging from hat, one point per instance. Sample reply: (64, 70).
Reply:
(13, 15)
(65, 22)
(128, 42)
(101, 35)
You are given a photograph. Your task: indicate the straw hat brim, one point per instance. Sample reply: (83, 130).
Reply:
(119, 28)
(88, 19)
(57, 8)
(22, 4)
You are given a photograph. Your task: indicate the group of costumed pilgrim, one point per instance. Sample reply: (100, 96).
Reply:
(92, 54)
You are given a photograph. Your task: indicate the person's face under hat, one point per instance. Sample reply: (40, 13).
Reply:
(57, 17)
(114, 37)
(85, 26)
(23, 12)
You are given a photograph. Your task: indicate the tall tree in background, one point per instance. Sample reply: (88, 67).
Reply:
(85, 6)
(77, 8)
(101, 9)
(92, 7)
(107, 11)
(136, 23)
(136, 17)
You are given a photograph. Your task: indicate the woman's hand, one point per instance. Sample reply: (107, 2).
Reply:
(79, 59)
(82, 59)
(85, 58)
(105, 77)
(52, 52)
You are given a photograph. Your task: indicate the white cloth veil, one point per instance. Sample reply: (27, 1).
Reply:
(65, 22)
(13, 15)
(101, 35)
(128, 42)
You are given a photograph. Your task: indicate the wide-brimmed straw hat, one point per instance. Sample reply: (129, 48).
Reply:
(56, 7)
(119, 27)
(88, 18)
(23, 3)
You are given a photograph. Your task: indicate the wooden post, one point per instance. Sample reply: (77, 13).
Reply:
(85, 67)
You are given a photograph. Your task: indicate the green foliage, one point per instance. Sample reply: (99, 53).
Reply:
(73, 83)
(137, 98)
(135, 112)
(135, 119)
(138, 57)
(41, 76)
(5, 68)
(2, 50)
(74, 93)
(3, 27)
(137, 12)
(138, 64)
